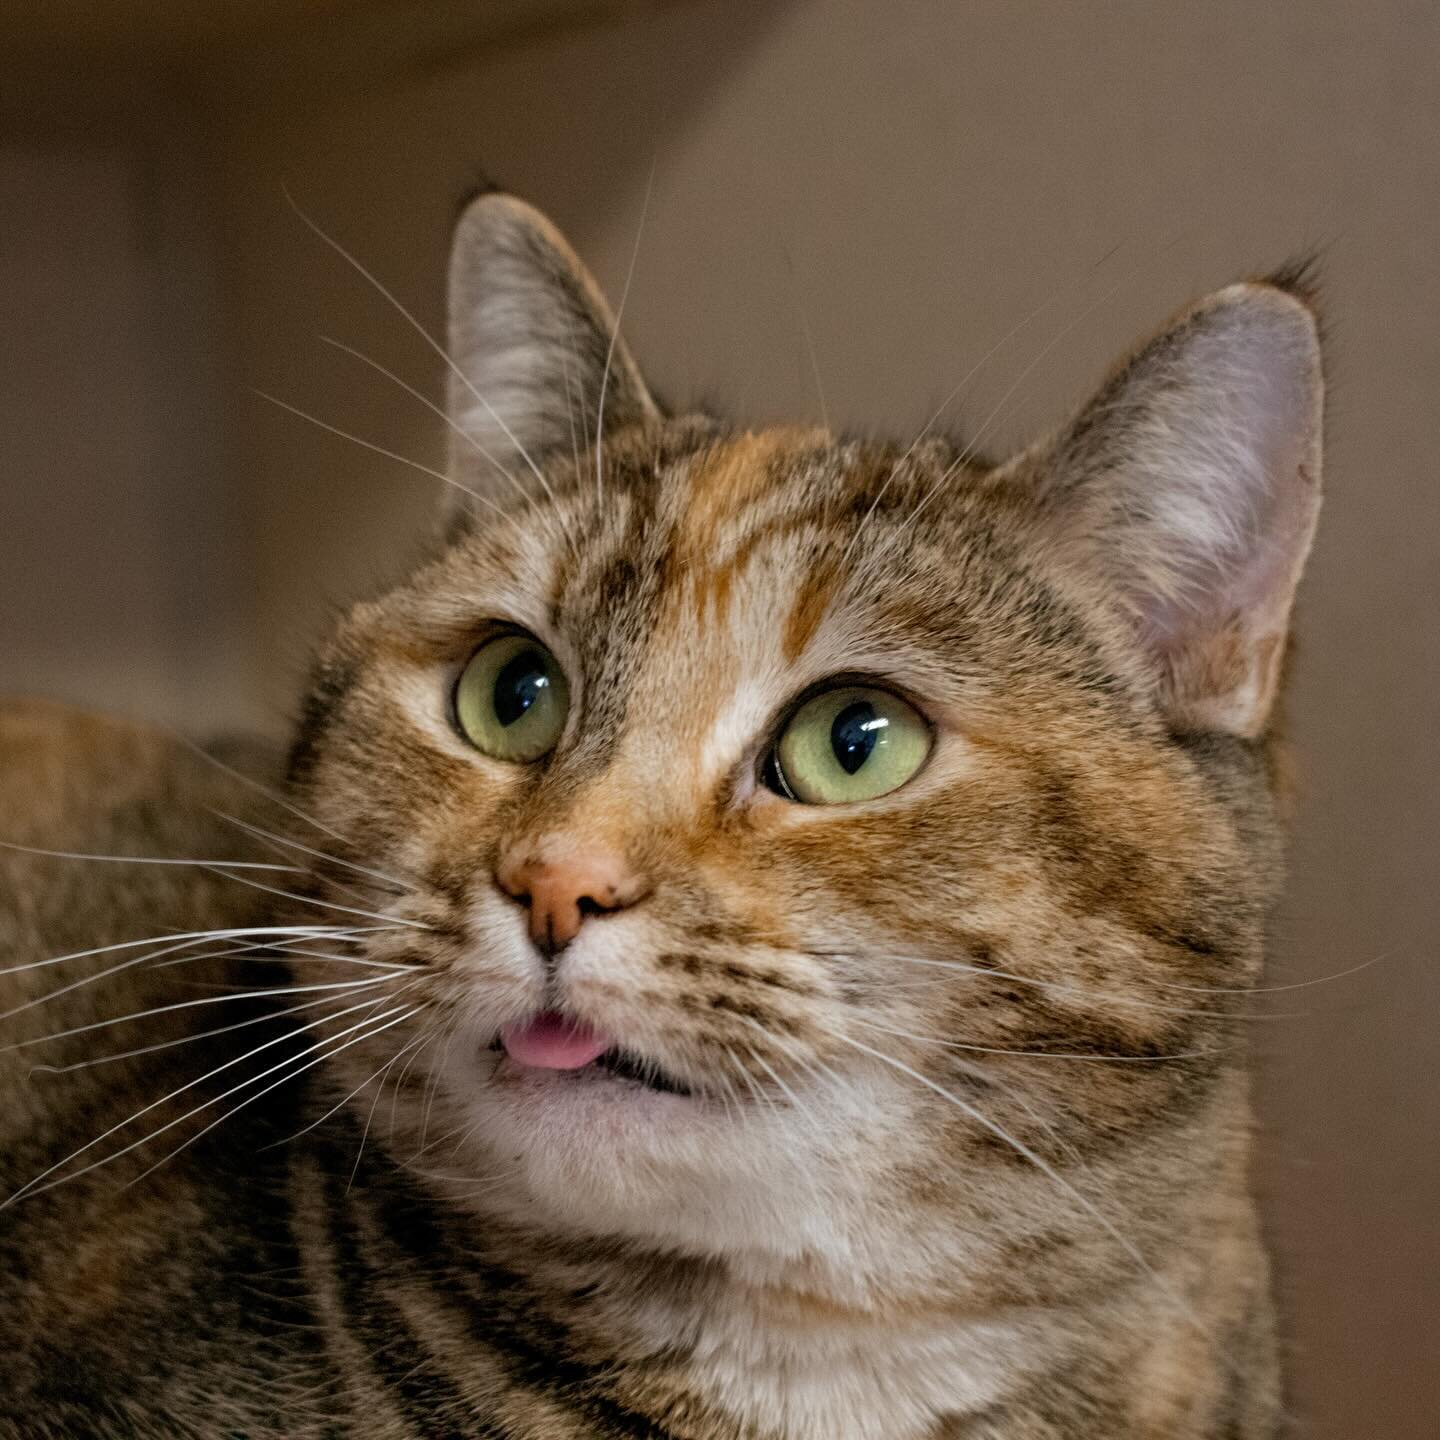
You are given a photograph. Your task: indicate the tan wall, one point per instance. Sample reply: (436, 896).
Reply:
(914, 179)
(120, 583)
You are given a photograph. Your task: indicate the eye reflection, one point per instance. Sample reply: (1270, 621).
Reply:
(848, 744)
(512, 699)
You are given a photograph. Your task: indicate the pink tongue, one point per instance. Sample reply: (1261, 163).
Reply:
(551, 1042)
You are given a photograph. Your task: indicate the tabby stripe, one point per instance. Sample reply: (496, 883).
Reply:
(501, 1315)
(422, 1392)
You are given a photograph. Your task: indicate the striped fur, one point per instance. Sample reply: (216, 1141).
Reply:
(965, 1150)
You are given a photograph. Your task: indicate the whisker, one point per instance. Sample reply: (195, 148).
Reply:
(1109, 996)
(1054, 297)
(453, 1025)
(92, 979)
(462, 432)
(397, 884)
(143, 859)
(269, 1015)
(748, 1078)
(808, 335)
(1278, 989)
(186, 1005)
(251, 783)
(283, 1080)
(464, 1130)
(383, 1072)
(325, 904)
(973, 446)
(33, 1186)
(334, 1109)
(287, 949)
(1046, 1169)
(194, 937)
(291, 955)
(427, 1040)
(431, 341)
(1034, 1054)
(615, 339)
(727, 1095)
(380, 450)
(805, 1112)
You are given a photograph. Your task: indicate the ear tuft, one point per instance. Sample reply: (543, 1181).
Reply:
(532, 337)
(1298, 277)
(1192, 482)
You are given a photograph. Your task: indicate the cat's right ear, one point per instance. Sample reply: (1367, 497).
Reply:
(539, 365)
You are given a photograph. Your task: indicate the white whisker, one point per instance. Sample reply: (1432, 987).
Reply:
(1034, 1054)
(383, 1073)
(187, 1005)
(973, 446)
(434, 345)
(463, 433)
(1045, 1168)
(806, 1113)
(194, 937)
(1277, 989)
(269, 1015)
(144, 859)
(34, 1185)
(1055, 295)
(379, 449)
(615, 339)
(283, 1080)
(290, 955)
(809, 338)
(1110, 997)
(398, 885)
(271, 795)
(92, 979)
(323, 904)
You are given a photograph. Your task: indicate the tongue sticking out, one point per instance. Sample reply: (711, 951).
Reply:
(551, 1042)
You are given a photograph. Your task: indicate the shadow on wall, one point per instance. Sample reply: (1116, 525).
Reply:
(169, 546)
(577, 127)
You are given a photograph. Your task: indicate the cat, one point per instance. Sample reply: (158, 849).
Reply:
(768, 921)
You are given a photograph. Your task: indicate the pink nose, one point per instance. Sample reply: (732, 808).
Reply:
(560, 894)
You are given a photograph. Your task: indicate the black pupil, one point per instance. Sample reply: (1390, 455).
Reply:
(854, 733)
(518, 685)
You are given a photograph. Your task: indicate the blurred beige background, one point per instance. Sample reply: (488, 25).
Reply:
(906, 180)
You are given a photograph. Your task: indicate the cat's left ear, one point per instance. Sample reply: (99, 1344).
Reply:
(1191, 483)
(535, 345)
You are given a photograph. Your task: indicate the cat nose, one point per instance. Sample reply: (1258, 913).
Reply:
(560, 894)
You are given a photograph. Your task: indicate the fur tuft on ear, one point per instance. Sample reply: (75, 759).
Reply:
(1192, 483)
(535, 345)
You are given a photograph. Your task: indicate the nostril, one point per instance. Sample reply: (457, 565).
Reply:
(560, 895)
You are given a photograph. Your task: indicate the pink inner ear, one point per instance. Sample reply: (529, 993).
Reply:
(1203, 497)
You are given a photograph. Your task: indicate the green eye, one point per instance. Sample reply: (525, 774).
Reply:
(853, 743)
(511, 699)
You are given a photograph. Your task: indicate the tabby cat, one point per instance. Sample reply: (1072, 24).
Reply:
(751, 942)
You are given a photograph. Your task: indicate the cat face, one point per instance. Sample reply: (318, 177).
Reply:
(810, 850)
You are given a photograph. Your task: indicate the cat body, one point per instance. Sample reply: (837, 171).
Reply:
(678, 1076)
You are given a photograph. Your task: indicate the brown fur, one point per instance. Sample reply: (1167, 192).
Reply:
(966, 1151)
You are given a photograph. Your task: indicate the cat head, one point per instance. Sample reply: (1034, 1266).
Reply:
(807, 847)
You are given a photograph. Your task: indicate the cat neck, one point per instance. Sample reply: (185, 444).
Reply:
(778, 1349)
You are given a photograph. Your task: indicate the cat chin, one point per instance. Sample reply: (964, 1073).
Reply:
(758, 1187)
(593, 1155)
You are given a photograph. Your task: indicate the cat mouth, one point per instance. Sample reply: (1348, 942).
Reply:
(624, 1065)
(554, 1042)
